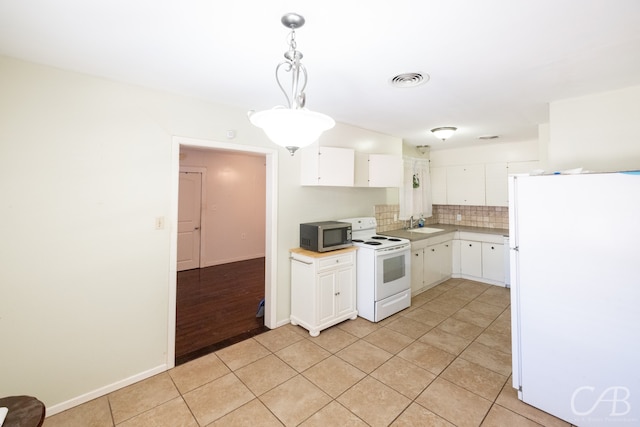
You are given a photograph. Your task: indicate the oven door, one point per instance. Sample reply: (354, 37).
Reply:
(392, 271)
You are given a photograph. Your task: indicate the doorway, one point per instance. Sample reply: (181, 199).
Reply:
(270, 243)
(219, 293)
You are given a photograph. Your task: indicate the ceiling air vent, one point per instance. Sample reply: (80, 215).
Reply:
(409, 80)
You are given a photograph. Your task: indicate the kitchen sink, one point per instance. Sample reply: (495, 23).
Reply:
(425, 230)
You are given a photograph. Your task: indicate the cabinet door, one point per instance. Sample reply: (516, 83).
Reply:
(471, 258)
(493, 266)
(431, 264)
(417, 269)
(445, 259)
(378, 170)
(455, 258)
(438, 262)
(326, 296)
(465, 185)
(385, 170)
(496, 183)
(336, 166)
(439, 185)
(327, 166)
(344, 293)
(515, 168)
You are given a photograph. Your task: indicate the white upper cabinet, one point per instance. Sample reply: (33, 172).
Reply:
(515, 168)
(496, 177)
(327, 166)
(496, 184)
(477, 185)
(439, 185)
(465, 185)
(378, 170)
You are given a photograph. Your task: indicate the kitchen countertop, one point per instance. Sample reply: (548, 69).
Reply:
(313, 254)
(447, 228)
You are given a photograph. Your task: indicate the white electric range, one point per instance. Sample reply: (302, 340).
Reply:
(383, 271)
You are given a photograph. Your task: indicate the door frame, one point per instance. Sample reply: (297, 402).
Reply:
(203, 200)
(271, 221)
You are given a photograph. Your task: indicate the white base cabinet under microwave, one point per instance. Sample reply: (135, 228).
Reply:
(323, 288)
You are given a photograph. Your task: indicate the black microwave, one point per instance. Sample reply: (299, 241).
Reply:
(325, 235)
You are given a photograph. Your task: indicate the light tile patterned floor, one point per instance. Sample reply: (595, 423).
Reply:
(446, 361)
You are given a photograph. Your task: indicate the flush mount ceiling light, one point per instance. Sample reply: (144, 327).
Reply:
(293, 126)
(424, 149)
(444, 132)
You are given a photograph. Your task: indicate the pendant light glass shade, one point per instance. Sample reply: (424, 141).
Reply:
(294, 126)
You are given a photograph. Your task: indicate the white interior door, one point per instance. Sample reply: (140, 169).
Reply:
(189, 208)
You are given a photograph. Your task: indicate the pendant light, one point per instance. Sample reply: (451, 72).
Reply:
(292, 126)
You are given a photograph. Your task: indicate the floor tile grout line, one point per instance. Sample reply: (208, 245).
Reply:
(437, 376)
(368, 375)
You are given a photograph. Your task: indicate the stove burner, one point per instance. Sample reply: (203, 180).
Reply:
(372, 243)
(394, 239)
(357, 240)
(379, 237)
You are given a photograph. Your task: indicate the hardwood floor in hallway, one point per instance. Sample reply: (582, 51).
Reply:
(217, 306)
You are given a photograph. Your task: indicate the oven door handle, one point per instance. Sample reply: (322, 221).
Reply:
(394, 250)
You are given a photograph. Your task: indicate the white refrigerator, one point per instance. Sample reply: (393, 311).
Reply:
(575, 295)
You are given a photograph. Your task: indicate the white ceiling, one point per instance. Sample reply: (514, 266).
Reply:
(494, 65)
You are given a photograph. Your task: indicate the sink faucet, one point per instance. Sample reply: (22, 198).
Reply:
(411, 222)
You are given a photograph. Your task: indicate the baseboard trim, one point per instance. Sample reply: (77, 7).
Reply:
(102, 391)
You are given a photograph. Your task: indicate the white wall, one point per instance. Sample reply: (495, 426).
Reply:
(85, 168)
(233, 211)
(599, 132)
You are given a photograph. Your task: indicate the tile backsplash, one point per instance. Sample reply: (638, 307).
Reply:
(474, 216)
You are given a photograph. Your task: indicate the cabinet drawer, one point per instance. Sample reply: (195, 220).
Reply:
(334, 261)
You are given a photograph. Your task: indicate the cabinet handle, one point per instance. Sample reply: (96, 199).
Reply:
(299, 260)
(433, 250)
(337, 261)
(492, 247)
(337, 293)
(470, 245)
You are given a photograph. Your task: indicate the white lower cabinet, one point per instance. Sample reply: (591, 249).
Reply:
(481, 257)
(437, 265)
(431, 262)
(323, 288)
(493, 265)
(417, 269)
(471, 258)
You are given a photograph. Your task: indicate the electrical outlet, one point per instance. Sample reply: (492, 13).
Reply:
(458, 217)
(395, 217)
